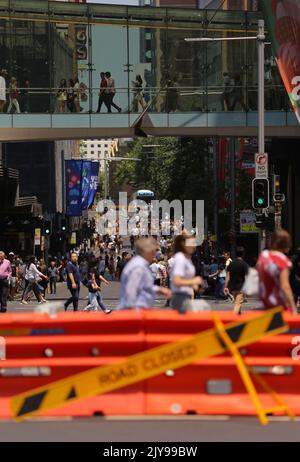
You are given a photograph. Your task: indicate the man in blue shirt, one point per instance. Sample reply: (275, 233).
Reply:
(73, 281)
(137, 285)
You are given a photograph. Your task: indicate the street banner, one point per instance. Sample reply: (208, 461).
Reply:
(37, 236)
(73, 170)
(89, 183)
(283, 23)
(93, 183)
(85, 183)
(73, 239)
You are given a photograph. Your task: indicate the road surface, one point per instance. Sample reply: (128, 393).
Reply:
(160, 429)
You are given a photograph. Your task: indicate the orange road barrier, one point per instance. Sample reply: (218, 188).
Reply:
(43, 349)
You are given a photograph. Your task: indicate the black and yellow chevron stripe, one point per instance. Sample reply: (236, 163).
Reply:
(145, 365)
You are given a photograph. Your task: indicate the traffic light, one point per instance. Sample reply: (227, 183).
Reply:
(260, 193)
(63, 226)
(276, 184)
(47, 227)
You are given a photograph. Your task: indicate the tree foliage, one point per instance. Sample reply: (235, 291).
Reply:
(174, 168)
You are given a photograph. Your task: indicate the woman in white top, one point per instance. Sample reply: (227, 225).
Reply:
(77, 96)
(2, 91)
(32, 276)
(183, 279)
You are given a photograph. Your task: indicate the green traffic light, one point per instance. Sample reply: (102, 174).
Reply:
(260, 201)
(63, 228)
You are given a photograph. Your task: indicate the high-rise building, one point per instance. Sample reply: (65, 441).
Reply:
(99, 149)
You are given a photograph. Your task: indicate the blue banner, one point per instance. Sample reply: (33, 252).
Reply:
(85, 183)
(73, 170)
(93, 182)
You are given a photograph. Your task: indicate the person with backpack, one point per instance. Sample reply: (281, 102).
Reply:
(235, 279)
(95, 296)
(111, 93)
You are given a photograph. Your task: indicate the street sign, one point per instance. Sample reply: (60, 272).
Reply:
(248, 222)
(73, 238)
(261, 165)
(37, 236)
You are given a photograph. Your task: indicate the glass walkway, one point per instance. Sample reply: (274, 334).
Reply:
(52, 55)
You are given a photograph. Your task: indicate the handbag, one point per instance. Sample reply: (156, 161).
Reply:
(251, 284)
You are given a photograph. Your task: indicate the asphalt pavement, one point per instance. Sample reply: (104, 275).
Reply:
(159, 429)
(111, 298)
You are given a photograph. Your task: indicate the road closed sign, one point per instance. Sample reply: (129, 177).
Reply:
(261, 165)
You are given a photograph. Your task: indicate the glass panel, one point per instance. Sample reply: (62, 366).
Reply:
(226, 62)
(24, 46)
(70, 68)
(109, 54)
(29, 10)
(145, 77)
(179, 18)
(185, 64)
(4, 5)
(76, 10)
(100, 13)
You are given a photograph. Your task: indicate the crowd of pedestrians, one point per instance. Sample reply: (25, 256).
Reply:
(174, 268)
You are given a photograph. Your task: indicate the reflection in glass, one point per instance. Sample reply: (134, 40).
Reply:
(57, 60)
(109, 55)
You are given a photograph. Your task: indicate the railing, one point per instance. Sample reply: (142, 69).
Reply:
(167, 99)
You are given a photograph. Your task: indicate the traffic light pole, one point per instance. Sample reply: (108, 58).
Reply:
(261, 85)
(261, 103)
(232, 200)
